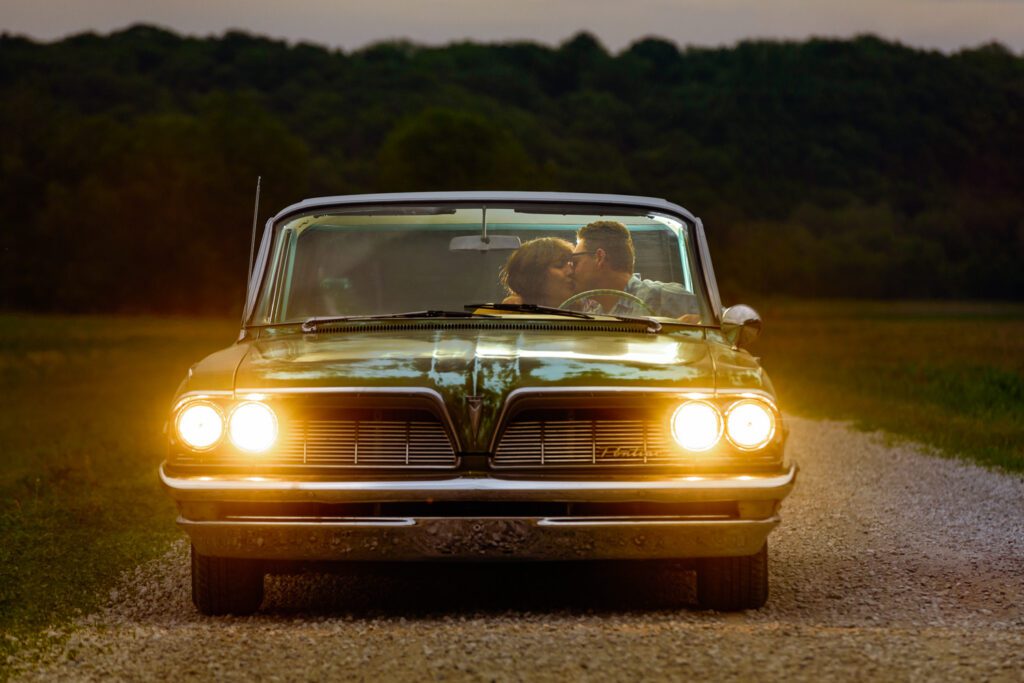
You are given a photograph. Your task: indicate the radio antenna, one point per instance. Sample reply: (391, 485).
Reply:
(252, 246)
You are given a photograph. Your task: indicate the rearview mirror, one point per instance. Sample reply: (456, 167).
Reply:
(481, 243)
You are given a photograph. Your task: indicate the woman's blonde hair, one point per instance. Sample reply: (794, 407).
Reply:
(525, 272)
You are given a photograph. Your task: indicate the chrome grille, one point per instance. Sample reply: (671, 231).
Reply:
(346, 443)
(585, 442)
(600, 443)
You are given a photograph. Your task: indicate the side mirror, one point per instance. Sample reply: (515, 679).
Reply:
(741, 325)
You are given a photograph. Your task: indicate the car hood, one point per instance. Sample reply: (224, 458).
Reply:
(490, 363)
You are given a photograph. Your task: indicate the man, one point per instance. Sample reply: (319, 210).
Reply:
(604, 258)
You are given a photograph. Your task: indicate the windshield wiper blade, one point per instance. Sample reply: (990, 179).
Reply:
(311, 324)
(652, 324)
(530, 308)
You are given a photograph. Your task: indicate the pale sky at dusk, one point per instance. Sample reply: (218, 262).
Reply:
(942, 24)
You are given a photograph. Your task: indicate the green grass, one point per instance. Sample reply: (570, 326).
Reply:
(950, 375)
(81, 416)
(84, 401)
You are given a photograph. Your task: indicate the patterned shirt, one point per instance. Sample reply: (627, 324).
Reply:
(666, 299)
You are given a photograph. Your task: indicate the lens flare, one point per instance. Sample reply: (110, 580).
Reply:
(200, 426)
(750, 425)
(253, 427)
(696, 426)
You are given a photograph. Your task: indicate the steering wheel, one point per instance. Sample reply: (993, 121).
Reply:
(607, 292)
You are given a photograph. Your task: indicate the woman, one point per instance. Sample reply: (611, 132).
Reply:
(539, 272)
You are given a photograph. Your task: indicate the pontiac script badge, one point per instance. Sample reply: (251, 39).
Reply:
(631, 452)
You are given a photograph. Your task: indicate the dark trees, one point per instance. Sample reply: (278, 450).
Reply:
(828, 168)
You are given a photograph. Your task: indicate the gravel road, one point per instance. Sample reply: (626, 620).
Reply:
(890, 564)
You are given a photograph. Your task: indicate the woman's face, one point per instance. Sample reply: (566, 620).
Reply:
(558, 283)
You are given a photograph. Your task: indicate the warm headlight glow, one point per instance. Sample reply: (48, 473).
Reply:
(253, 427)
(200, 426)
(750, 424)
(696, 426)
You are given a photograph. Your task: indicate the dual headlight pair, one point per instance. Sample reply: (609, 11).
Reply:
(699, 425)
(251, 426)
(696, 425)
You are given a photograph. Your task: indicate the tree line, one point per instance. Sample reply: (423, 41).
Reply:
(826, 168)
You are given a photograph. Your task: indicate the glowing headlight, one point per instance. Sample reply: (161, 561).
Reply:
(696, 426)
(200, 426)
(750, 425)
(253, 427)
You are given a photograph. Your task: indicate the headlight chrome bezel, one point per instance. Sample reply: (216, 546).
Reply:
(719, 425)
(275, 422)
(179, 435)
(763, 405)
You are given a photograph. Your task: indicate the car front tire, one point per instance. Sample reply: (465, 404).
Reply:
(226, 585)
(728, 584)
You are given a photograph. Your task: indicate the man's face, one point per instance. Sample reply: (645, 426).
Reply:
(584, 267)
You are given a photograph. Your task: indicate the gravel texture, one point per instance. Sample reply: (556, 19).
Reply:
(890, 564)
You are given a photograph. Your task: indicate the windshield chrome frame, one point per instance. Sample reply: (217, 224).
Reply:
(322, 205)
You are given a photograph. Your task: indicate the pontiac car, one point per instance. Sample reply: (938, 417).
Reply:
(391, 398)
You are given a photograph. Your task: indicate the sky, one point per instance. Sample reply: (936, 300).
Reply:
(946, 25)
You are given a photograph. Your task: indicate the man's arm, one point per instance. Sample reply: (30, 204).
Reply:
(669, 299)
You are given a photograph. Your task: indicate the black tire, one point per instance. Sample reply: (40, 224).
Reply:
(226, 585)
(728, 584)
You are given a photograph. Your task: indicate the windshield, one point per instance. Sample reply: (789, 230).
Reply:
(393, 259)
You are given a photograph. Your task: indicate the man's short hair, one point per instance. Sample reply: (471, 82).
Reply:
(614, 238)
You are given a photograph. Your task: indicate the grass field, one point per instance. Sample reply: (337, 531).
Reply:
(81, 412)
(950, 375)
(85, 400)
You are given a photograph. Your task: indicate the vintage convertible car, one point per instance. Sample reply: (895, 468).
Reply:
(382, 403)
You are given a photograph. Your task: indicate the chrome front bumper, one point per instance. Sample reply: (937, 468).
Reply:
(480, 538)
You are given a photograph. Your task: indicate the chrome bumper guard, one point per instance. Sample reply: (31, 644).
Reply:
(480, 538)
